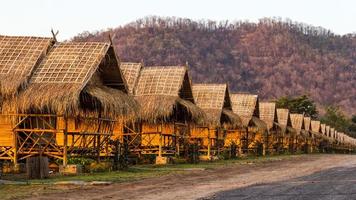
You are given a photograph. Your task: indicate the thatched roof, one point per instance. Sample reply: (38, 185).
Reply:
(131, 71)
(332, 132)
(315, 126)
(322, 128)
(307, 123)
(215, 100)
(267, 111)
(257, 123)
(18, 57)
(76, 78)
(283, 118)
(327, 130)
(297, 121)
(165, 91)
(245, 106)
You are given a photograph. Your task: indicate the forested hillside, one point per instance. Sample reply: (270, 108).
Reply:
(273, 58)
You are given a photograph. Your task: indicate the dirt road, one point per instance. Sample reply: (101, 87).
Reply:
(209, 184)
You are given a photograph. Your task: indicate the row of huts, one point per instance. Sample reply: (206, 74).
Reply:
(69, 99)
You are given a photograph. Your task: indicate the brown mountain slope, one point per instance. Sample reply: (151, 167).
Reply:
(271, 58)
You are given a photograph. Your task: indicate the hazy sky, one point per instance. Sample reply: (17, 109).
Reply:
(70, 17)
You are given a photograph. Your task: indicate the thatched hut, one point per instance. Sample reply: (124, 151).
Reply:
(332, 133)
(285, 128)
(246, 107)
(268, 114)
(323, 129)
(297, 121)
(167, 108)
(308, 136)
(316, 132)
(18, 58)
(80, 87)
(327, 131)
(215, 100)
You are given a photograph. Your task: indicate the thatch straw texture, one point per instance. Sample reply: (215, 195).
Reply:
(327, 130)
(164, 90)
(332, 132)
(215, 100)
(161, 108)
(297, 121)
(267, 111)
(315, 126)
(244, 105)
(259, 124)
(322, 128)
(18, 57)
(282, 116)
(292, 130)
(131, 72)
(307, 123)
(71, 80)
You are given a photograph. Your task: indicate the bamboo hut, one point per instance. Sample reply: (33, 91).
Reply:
(215, 100)
(327, 131)
(167, 109)
(332, 133)
(316, 132)
(18, 58)
(127, 133)
(72, 101)
(246, 107)
(285, 129)
(308, 139)
(297, 121)
(268, 114)
(322, 129)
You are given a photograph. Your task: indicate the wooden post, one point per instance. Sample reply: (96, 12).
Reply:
(65, 142)
(217, 132)
(15, 148)
(209, 144)
(160, 142)
(175, 130)
(247, 141)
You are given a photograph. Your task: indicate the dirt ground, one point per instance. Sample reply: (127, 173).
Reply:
(205, 184)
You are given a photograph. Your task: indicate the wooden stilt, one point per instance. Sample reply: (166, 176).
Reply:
(209, 144)
(160, 142)
(65, 142)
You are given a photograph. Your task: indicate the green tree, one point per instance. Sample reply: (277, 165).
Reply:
(353, 119)
(300, 104)
(352, 127)
(336, 118)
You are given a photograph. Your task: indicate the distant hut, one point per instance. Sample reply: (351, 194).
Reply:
(297, 121)
(327, 131)
(18, 58)
(215, 100)
(284, 123)
(316, 132)
(268, 114)
(74, 97)
(332, 133)
(127, 133)
(246, 107)
(167, 108)
(322, 129)
(307, 125)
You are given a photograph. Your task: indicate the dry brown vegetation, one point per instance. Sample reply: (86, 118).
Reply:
(273, 58)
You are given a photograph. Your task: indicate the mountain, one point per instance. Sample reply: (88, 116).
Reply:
(273, 58)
